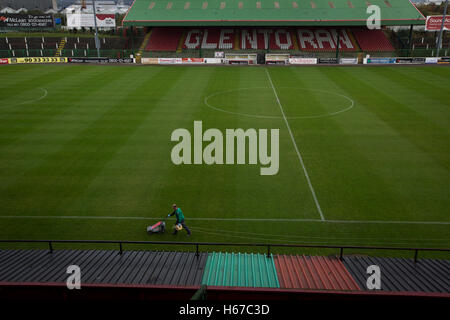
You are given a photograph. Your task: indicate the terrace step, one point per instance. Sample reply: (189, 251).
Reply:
(144, 42)
(61, 46)
(180, 44)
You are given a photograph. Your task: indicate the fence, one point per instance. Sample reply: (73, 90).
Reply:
(186, 53)
(118, 53)
(114, 53)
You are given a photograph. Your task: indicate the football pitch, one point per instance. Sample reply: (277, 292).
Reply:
(364, 153)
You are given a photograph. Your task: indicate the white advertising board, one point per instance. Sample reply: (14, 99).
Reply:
(84, 20)
(303, 60)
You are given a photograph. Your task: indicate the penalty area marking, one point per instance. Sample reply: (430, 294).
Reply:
(232, 219)
(45, 93)
(295, 147)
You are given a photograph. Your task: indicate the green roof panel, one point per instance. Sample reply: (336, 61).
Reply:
(269, 13)
(240, 270)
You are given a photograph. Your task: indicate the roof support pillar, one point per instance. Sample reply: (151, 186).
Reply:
(132, 40)
(337, 45)
(410, 40)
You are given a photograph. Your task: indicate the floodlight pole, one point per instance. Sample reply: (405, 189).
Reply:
(97, 41)
(439, 42)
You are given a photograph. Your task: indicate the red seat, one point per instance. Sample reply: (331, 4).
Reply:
(164, 39)
(324, 39)
(372, 40)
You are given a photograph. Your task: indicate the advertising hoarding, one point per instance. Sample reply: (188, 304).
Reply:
(8, 20)
(434, 23)
(34, 60)
(85, 20)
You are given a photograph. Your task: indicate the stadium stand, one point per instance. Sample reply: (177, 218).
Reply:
(32, 43)
(16, 43)
(281, 40)
(372, 40)
(49, 47)
(116, 43)
(80, 43)
(156, 271)
(4, 45)
(309, 29)
(164, 39)
(50, 43)
(426, 40)
(307, 39)
(325, 39)
(209, 38)
(275, 39)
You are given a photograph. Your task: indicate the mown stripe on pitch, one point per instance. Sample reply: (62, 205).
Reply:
(232, 219)
(406, 79)
(43, 108)
(137, 178)
(67, 173)
(37, 76)
(104, 79)
(391, 111)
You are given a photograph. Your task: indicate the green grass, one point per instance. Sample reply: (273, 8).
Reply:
(98, 145)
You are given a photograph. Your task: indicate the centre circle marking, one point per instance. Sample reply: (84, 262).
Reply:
(44, 94)
(346, 108)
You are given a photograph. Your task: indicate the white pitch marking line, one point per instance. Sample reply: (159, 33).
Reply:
(157, 218)
(313, 237)
(232, 219)
(206, 99)
(226, 234)
(29, 101)
(296, 148)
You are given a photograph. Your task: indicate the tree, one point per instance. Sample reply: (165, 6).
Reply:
(431, 9)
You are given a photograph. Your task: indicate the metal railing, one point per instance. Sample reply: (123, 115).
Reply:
(112, 53)
(208, 53)
(197, 245)
(124, 53)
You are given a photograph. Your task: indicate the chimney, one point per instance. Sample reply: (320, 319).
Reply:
(55, 5)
